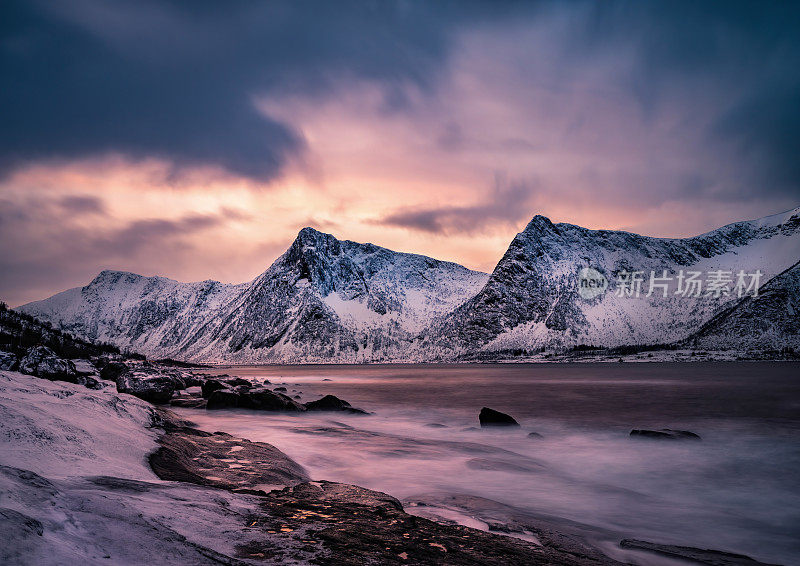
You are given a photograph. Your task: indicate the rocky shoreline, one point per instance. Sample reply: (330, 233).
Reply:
(282, 515)
(109, 443)
(333, 523)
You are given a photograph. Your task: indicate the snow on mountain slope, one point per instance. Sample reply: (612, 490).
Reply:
(323, 300)
(770, 320)
(152, 315)
(531, 300)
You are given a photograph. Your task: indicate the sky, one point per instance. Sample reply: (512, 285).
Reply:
(194, 139)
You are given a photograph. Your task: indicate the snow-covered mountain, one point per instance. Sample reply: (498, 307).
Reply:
(327, 300)
(770, 320)
(531, 300)
(323, 300)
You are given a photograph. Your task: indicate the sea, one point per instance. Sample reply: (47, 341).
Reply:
(735, 490)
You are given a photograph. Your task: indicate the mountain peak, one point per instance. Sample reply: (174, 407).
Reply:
(539, 223)
(111, 276)
(309, 232)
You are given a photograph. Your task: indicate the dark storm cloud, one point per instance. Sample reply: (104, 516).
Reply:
(176, 79)
(738, 61)
(506, 203)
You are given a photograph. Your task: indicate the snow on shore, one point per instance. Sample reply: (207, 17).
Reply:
(75, 486)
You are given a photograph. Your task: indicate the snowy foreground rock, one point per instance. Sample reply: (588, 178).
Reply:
(329, 300)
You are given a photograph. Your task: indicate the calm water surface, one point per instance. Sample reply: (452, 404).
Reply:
(737, 490)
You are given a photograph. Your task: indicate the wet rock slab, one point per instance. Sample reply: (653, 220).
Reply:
(221, 460)
(696, 555)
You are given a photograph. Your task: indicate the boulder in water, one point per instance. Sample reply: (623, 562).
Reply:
(212, 384)
(664, 434)
(224, 398)
(262, 399)
(490, 417)
(249, 397)
(188, 402)
(332, 403)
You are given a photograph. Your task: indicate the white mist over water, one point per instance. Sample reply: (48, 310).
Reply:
(737, 490)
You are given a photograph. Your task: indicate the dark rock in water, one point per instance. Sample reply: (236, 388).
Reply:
(665, 434)
(112, 370)
(332, 403)
(327, 379)
(262, 399)
(225, 398)
(297, 396)
(327, 403)
(177, 381)
(333, 523)
(42, 362)
(237, 381)
(152, 387)
(280, 389)
(490, 417)
(249, 397)
(699, 555)
(193, 380)
(535, 435)
(210, 385)
(188, 402)
(8, 361)
(435, 425)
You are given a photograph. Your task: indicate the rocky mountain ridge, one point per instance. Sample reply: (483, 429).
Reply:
(330, 300)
